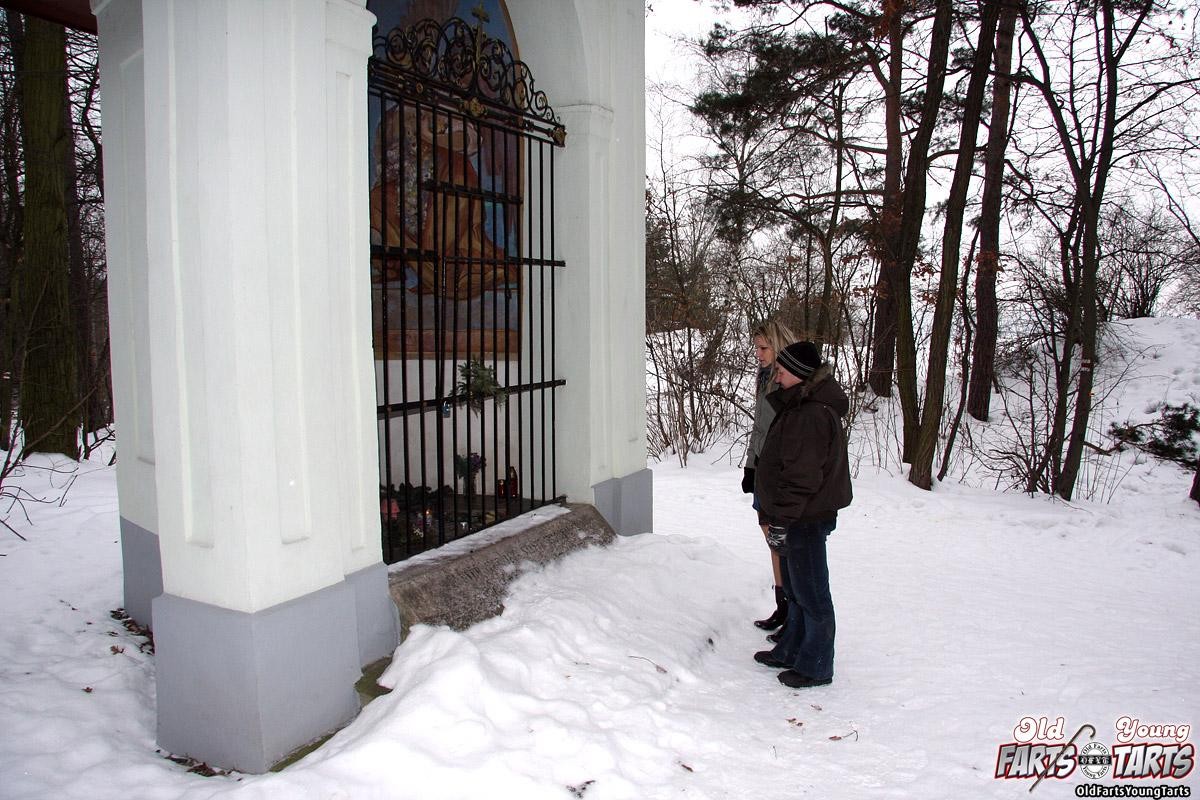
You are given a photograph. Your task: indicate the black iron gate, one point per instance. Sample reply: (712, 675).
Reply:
(462, 275)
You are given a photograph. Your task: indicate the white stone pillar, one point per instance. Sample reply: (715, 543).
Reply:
(129, 313)
(630, 490)
(245, 361)
(587, 56)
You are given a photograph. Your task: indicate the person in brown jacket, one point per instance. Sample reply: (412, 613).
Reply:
(802, 481)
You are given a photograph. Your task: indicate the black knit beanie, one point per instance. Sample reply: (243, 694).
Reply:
(800, 358)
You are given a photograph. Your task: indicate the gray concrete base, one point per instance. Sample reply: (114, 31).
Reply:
(627, 502)
(241, 691)
(467, 585)
(378, 622)
(142, 566)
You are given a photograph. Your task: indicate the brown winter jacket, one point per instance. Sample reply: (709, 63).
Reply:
(803, 474)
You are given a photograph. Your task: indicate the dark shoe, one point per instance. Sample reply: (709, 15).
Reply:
(778, 616)
(774, 638)
(797, 681)
(765, 657)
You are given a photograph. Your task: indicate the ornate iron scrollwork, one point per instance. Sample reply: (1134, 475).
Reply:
(466, 65)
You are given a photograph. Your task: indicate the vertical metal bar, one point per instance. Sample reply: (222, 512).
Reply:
(449, 299)
(384, 263)
(497, 269)
(542, 300)
(439, 325)
(526, 365)
(553, 342)
(455, 190)
(423, 518)
(510, 187)
(402, 199)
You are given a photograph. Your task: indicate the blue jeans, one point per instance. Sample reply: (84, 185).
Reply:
(806, 645)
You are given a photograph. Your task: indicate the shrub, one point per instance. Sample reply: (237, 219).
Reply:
(1171, 437)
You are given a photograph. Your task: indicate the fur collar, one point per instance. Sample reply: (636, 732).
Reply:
(782, 397)
(820, 376)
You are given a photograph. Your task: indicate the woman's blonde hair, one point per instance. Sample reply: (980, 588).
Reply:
(777, 334)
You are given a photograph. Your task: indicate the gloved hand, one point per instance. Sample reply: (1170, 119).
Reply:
(776, 537)
(748, 480)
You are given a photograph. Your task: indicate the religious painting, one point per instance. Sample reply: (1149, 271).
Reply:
(445, 194)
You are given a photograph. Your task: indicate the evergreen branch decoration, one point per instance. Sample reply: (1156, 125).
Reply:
(477, 382)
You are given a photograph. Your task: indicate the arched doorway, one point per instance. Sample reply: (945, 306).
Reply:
(462, 255)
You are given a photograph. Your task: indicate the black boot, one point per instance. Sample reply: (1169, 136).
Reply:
(767, 658)
(779, 616)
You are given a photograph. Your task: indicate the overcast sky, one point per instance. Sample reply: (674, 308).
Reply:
(669, 63)
(667, 20)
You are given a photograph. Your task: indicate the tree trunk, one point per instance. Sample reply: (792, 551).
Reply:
(11, 213)
(97, 385)
(1089, 264)
(1195, 493)
(86, 376)
(825, 317)
(41, 294)
(910, 225)
(964, 365)
(921, 473)
(987, 315)
(829, 235)
(1090, 261)
(1051, 459)
(883, 336)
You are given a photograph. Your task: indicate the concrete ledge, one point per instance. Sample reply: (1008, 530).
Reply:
(142, 571)
(240, 690)
(627, 502)
(378, 626)
(466, 583)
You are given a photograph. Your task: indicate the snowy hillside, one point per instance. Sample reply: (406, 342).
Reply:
(627, 672)
(1144, 364)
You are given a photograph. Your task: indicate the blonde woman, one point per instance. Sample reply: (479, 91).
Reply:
(769, 338)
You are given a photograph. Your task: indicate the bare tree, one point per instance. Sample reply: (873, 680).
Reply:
(987, 323)
(85, 224)
(921, 473)
(1141, 253)
(1107, 100)
(911, 221)
(691, 380)
(1187, 284)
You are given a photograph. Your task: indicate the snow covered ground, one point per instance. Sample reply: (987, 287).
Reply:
(626, 672)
